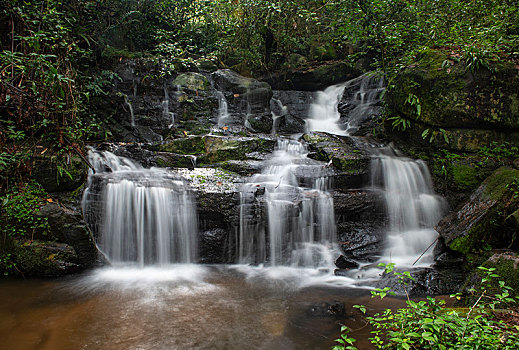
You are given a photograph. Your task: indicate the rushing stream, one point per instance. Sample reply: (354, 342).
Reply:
(282, 292)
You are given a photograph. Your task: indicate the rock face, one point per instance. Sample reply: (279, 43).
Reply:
(472, 108)
(148, 103)
(481, 223)
(69, 176)
(313, 79)
(67, 247)
(67, 226)
(348, 155)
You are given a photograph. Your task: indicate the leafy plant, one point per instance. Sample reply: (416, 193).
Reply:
(428, 324)
(19, 211)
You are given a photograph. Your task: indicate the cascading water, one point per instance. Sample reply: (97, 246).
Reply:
(282, 112)
(130, 107)
(145, 216)
(413, 208)
(362, 103)
(223, 109)
(293, 224)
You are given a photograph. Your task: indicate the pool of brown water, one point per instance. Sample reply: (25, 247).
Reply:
(181, 307)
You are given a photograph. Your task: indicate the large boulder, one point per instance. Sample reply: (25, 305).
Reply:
(481, 224)
(471, 107)
(67, 226)
(347, 155)
(313, 78)
(58, 175)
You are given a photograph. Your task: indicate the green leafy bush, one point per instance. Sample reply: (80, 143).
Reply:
(18, 212)
(428, 324)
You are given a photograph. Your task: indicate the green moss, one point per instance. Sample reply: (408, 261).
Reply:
(112, 52)
(496, 185)
(351, 166)
(192, 81)
(465, 176)
(190, 145)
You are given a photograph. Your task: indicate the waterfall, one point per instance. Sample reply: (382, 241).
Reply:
(286, 212)
(223, 109)
(130, 107)
(165, 108)
(363, 96)
(145, 216)
(274, 102)
(413, 208)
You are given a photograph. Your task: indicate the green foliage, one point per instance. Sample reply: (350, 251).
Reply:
(19, 209)
(428, 324)
(7, 265)
(499, 151)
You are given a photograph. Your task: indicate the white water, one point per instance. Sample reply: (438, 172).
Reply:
(324, 111)
(130, 107)
(146, 216)
(413, 208)
(223, 109)
(165, 108)
(282, 112)
(295, 225)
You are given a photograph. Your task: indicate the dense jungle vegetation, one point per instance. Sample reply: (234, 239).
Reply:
(53, 53)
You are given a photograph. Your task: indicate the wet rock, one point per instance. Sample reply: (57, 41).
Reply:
(191, 81)
(344, 263)
(248, 100)
(68, 227)
(479, 224)
(427, 281)
(212, 149)
(313, 78)
(58, 176)
(214, 247)
(291, 109)
(325, 309)
(349, 157)
(44, 259)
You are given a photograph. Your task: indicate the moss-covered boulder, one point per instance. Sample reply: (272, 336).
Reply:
(43, 258)
(480, 224)
(347, 156)
(471, 107)
(57, 175)
(210, 149)
(506, 265)
(191, 81)
(313, 78)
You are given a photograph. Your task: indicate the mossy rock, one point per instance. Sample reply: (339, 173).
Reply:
(210, 149)
(191, 81)
(351, 161)
(450, 96)
(479, 224)
(506, 265)
(59, 176)
(43, 258)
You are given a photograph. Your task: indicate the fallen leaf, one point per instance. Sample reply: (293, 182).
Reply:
(236, 95)
(219, 183)
(49, 200)
(225, 128)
